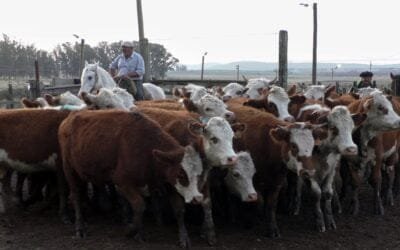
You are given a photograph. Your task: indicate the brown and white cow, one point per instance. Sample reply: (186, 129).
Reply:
(380, 118)
(28, 141)
(275, 146)
(141, 157)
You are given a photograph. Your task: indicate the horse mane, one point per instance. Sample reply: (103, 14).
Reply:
(105, 79)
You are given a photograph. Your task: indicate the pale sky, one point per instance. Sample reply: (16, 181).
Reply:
(229, 30)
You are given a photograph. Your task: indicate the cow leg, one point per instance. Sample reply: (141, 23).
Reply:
(336, 201)
(76, 186)
(299, 191)
(20, 186)
(178, 205)
(316, 190)
(138, 205)
(270, 213)
(390, 175)
(6, 190)
(328, 193)
(354, 182)
(376, 183)
(208, 223)
(396, 181)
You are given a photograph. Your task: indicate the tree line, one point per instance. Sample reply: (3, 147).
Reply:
(17, 60)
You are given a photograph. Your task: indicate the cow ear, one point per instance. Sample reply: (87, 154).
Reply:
(244, 91)
(280, 134)
(189, 105)
(196, 128)
(29, 104)
(319, 134)
(358, 118)
(168, 157)
(329, 90)
(238, 129)
(258, 104)
(368, 104)
(176, 92)
(292, 90)
(49, 99)
(297, 99)
(356, 96)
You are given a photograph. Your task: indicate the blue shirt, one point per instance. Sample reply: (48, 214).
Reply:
(134, 63)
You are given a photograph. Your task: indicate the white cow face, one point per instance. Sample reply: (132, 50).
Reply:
(381, 116)
(193, 166)
(298, 141)
(217, 137)
(210, 106)
(255, 89)
(316, 92)
(340, 128)
(239, 179)
(105, 99)
(197, 94)
(278, 97)
(232, 90)
(88, 78)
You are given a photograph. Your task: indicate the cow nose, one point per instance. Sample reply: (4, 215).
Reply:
(198, 198)
(252, 197)
(305, 173)
(230, 116)
(289, 119)
(351, 150)
(231, 160)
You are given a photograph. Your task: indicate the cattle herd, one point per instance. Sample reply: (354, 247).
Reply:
(237, 147)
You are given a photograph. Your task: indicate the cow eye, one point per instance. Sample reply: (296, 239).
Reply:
(208, 109)
(214, 140)
(238, 92)
(109, 106)
(293, 147)
(236, 175)
(90, 78)
(335, 131)
(382, 109)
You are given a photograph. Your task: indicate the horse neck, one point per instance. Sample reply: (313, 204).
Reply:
(104, 79)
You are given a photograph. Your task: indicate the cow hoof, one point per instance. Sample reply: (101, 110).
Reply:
(66, 220)
(185, 243)
(273, 233)
(139, 238)
(211, 239)
(80, 234)
(321, 229)
(331, 224)
(379, 210)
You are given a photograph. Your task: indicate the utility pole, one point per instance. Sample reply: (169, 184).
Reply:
(202, 65)
(143, 42)
(370, 65)
(314, 63)
(81, 64)
(283, 58)
(237, 72)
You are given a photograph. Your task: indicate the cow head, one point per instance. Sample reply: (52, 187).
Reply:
(105, 99)
(380, 113)
(298, 141)
(209, 106)
(217, 137)
(193, 167)
(239, 179)
(232, 90)
(341, 124)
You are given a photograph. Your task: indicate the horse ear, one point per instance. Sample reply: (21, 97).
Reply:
(391, 76)
(86, 63)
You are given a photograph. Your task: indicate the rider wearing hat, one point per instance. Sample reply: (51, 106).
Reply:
(366, 80)
(128, 70)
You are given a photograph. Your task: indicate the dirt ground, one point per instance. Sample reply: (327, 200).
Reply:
(36, 229)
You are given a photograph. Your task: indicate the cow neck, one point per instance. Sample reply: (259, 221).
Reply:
(366, 135)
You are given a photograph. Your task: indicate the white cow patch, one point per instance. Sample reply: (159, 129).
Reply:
(304, 140)
(193, 167)
(280, 98)
(315, 92)
(48, 164)
(316, 107)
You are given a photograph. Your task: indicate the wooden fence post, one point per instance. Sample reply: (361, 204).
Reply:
(10, 97)
(337, 87)
(283, 58)
(36, 89)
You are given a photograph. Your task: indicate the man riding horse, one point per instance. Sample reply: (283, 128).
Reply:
(127, 69)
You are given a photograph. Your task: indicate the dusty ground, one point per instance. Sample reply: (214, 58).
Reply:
(35, 229)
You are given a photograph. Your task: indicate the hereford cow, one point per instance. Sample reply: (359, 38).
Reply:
(232, 90)
(380, 117)
(21, 131)
(141, 157)
(275, 146)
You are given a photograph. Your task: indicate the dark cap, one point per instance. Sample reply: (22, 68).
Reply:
(366, 74)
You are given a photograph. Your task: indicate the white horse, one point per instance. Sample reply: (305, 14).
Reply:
(94, 78)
